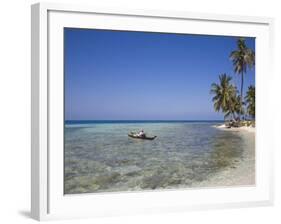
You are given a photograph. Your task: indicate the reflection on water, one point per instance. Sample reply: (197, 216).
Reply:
(102, 158)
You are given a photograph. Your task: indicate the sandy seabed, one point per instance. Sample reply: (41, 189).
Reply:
(243, 173)
(184, 155)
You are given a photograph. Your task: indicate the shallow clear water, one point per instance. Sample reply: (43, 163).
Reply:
(100, 157)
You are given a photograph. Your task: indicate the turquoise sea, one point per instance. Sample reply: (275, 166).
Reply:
(100, 157)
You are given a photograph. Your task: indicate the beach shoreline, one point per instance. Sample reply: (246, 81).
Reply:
(243, 128)
(241, 173)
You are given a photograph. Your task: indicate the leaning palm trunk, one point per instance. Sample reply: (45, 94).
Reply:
(241, 98)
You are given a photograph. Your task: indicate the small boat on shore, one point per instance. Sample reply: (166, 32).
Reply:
(134, 135)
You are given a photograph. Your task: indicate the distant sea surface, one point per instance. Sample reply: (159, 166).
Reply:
(100, 157)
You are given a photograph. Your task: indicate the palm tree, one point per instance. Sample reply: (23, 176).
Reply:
(251, 102)
(242, 59)
(235, 105)
(225, 96)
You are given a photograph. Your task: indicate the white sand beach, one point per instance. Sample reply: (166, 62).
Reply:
(241, 173)
(243, 128)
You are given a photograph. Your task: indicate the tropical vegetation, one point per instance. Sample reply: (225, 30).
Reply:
(251, 102)
(242, 58)
(226, 97)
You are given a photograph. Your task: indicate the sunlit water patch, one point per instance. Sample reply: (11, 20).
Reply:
(100, 157)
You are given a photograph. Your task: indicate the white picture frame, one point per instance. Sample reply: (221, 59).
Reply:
(47, 199)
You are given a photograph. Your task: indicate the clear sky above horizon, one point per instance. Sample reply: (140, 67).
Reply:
(120, 75)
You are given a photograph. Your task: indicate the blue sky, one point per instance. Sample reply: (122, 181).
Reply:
(120, 75)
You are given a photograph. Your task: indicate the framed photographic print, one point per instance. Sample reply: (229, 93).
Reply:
(148, 111)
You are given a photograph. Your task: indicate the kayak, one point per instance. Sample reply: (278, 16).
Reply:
(132, 135)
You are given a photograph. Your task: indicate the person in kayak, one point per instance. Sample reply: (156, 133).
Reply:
(141, 134)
